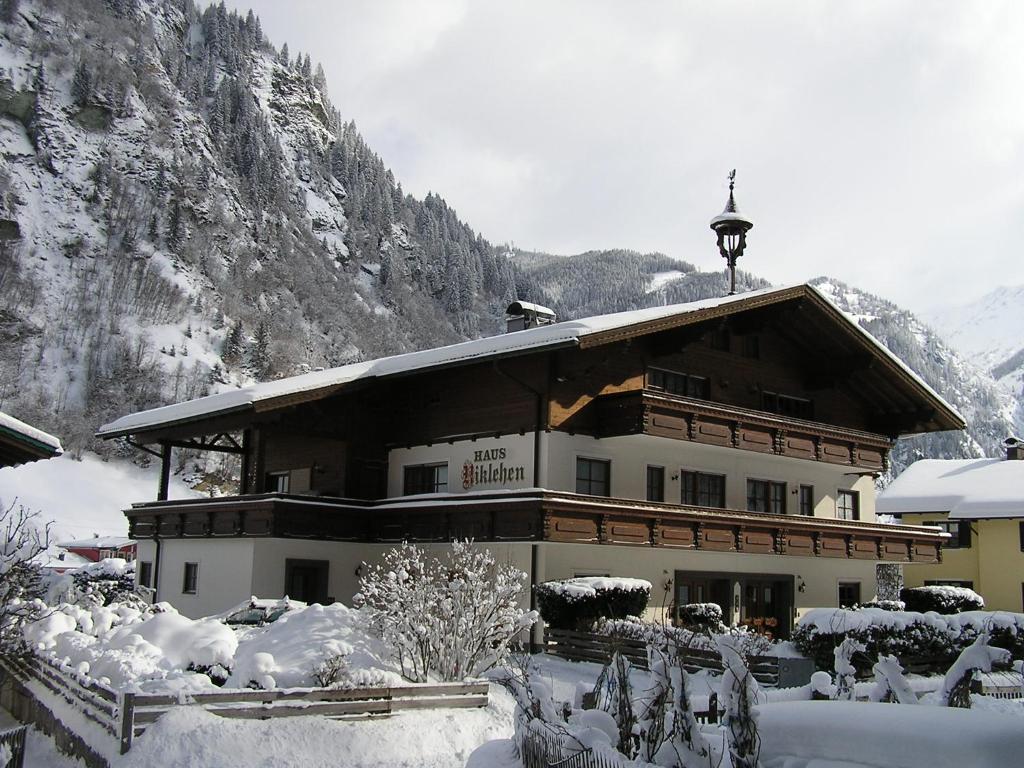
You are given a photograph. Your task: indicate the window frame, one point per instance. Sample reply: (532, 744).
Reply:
(774, 494)
(429, 479)
(677, 383)
(590, 481)
(146, 573)
(855, 496)
(190, 586)
(282, 477)
(657, 488)
(840, 584)
(700, 489)
(788, 406)
(958, 539)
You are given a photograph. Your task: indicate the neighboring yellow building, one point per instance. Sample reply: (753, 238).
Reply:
(980, 503)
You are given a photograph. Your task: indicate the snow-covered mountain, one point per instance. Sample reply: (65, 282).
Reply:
(183, 209)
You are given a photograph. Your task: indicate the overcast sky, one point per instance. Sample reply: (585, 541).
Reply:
(880, 143)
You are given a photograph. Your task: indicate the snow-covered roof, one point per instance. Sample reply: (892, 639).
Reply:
(567, 333)
(101, 542)
(968, 489)
(23, 432)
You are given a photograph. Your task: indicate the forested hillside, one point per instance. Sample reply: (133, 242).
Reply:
(182, 207)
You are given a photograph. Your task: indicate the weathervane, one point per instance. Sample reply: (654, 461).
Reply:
(731, 227)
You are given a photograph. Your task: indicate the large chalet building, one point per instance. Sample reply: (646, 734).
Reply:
(725, 450)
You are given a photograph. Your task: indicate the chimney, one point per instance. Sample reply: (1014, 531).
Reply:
(522, 315)
(1014, 449)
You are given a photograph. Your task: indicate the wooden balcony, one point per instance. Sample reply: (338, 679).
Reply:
(701, 421)
(532, 515)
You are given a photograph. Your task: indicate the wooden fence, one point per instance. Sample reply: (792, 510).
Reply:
(587, 646)
(125, 715)
(14, 740)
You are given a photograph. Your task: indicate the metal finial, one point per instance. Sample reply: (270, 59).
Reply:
(731, 227)
(732, 179)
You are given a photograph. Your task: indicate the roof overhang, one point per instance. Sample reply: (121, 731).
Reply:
(21, 443)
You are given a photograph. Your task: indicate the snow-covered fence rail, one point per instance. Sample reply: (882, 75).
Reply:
(125, 714)
(587, 646)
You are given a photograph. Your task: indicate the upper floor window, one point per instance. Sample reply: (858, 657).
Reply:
(278, 482)
(593, 476)
(425, 478)
(807, 500)
(787, 405)
(675, 383)
(752, 346)
(766, 496)
(848, 505)
(702, 490)
(720, 340)
(655, 483)
(959, 532)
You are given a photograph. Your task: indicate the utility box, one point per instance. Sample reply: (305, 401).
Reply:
(794, 673)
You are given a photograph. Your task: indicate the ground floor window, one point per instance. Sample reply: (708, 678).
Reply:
(306, 580)
(190, 580)
(593, 476)
(949, 583)
(700, 489)
(278, 482)
(145, 573)
(766, 496)
(425, 478)
(849, 594)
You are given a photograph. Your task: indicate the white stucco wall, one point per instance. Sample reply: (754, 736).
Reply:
(489, 456)
(226, 570)
(631, 454)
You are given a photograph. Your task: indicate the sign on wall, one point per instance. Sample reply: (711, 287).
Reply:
(488, 467)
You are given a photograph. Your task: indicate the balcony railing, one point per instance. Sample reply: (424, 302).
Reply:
(532, 515)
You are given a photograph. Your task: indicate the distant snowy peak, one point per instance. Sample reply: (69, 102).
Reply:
(987, 331)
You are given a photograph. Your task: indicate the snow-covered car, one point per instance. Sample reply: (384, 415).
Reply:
(256, 612)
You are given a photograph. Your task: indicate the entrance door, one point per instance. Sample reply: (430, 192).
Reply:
(696, 588)
(766, 606)
(306, 580)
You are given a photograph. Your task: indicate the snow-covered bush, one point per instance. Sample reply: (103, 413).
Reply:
(885, 605)
(578, 603)
(454, 617)
(890, 684)
(941, 599)
(702, 617)
(740, 693)
(905, 634)
(977, 657)
(111, 580)
(846, 673)
(22, 539)
(748, 643)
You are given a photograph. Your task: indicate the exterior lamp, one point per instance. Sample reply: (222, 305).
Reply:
(731, 226)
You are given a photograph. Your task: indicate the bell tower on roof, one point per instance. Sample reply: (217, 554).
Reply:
(731, 226)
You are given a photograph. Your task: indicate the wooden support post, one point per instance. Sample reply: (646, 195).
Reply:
(165, 472)
(127, 721)
(244, 484)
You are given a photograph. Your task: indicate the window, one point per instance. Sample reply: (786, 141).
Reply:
(959, 533)
(105, 553)
(848, 505)
(593, 477)
(675, 383)
(807, 500)
(145, 573)
(752, 347)
(426, 478)
(278, 482)
(1022, 537)
(766, 496)
(190, 582)
(849, 594)
(787, 405)
(702, 490)
(720, 340)
(655, 483)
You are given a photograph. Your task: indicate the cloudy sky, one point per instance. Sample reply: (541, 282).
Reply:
(877, 142)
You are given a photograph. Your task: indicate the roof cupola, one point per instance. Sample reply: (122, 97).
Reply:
(731, 226)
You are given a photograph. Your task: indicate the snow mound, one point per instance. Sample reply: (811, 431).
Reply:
(289, 651)
(107, 568)
(798, 733)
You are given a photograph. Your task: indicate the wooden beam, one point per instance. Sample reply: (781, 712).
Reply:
(165, 472)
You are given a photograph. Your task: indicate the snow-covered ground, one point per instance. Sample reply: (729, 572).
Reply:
(83, 497)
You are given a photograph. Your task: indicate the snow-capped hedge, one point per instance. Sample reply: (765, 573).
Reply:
(578, 603)
(941, 599)
(905, 633)
(632, 628)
